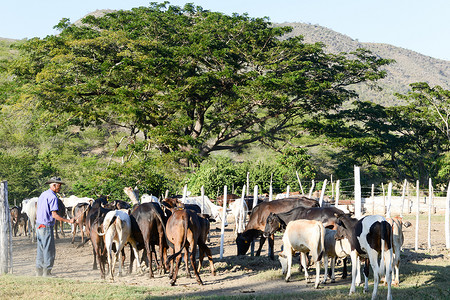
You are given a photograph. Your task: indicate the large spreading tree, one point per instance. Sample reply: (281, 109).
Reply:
(190, 80)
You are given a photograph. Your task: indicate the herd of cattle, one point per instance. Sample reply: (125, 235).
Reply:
(177, 227)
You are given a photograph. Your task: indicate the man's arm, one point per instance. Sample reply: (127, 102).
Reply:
(59, 218)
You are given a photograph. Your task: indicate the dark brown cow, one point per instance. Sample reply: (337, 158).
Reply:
(183, 231)
(148, 221)
(326, 215)
(22, 223)
(257, 221)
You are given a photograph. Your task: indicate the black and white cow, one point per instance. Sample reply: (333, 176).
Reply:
(369, 237)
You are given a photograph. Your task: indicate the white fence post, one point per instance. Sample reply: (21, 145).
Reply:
(447, 218)
(323, 192)
(184, 194)
(271, 188)
(372, 196)
(388, 211)
(224, 215)
(416, 243)
(202, 191)
(255, 196)
(311, 190)
(299, 182)
(5, 231)
(288, 191)
(430, 195)
(338, 192)
(241, 219)
(357, 192)
(403, 197)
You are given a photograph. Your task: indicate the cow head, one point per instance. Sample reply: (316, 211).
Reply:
(243, 243)
(345, 226)
(273, 224)
(283, 261)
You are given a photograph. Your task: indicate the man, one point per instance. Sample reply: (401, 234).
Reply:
(47, 208)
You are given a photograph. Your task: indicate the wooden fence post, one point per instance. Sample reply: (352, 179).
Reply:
(403, 197)
(311, 189)
(5, 231)
(447, 218)
(287, 191)
(322, 192)
(372, 196)
(384, 199)
(388, 212)
(338, 192)
(299, 182)
(416, 244)
(241, 220)
(271, 188)
(430, 195)
(357, 192)
(224, 215)
(202, 192)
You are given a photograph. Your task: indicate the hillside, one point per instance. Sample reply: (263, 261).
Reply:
(410, 66)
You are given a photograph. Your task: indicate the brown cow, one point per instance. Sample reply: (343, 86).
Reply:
(183, 231)
(257, 221)
(15, 215)
(79, 213)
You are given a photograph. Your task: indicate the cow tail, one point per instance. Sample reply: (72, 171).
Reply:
(107, 225)
(173, 256)
(322, 242)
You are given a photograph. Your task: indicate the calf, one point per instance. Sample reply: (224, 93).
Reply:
(117, 230)
(257, 222)
(335, 249)
(22, 224)
(304, 236)
(183, 231)
(398, 238)
(369, 237)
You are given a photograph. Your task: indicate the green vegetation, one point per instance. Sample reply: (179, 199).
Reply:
(162, 96)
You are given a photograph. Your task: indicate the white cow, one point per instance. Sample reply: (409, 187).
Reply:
(209, 208)
(29, 206)
(370, 237)
(304, 236)
(117, 230)
(239, 213)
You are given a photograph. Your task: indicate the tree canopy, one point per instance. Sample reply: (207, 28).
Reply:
(189, 80)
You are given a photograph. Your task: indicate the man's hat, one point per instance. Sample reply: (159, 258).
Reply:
(55, 180)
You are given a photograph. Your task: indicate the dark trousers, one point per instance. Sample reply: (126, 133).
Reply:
(45, 248)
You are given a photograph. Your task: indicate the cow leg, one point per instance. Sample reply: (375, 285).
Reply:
(316, 284)
(358, 271)
(355, 261)
(325, 266)
(261, 244)
(289, 263)
(134, 251)
(205, 249)
(176, 267)
(366, 276)
(388, 263)
(74, 231)
(344, 268)
(94, 266)
(271, 244)
(305, 266)
(149, 258)
(192, 261)
(186, 262)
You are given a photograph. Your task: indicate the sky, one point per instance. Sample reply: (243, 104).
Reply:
(418, 25)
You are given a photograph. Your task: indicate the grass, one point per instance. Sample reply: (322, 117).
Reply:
(423, 276)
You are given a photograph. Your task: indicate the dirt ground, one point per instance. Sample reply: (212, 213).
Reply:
(235, 275)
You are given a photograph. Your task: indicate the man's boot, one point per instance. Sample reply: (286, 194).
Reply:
(39, 272)
(47, 273)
